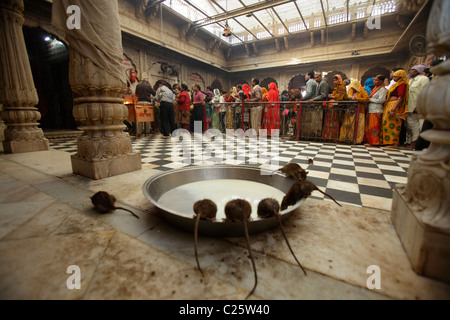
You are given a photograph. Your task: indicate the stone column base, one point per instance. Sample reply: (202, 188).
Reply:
(428, 249)
(25, 146)
(100, 169)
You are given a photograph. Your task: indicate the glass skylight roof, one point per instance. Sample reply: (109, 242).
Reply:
(252, 20)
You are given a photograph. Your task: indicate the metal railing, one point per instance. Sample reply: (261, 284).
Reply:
(329, 121)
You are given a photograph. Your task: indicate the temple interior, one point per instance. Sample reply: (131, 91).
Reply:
(68, 131)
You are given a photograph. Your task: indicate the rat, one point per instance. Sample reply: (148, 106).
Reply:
(268, 208)
(300, 190)
(104, 203)
(294, 170)
(240, 210)
(206, 210)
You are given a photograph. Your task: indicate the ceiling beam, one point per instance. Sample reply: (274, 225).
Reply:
(346, 17)
(276, 13)
(220, 7)
(263, 25)
(301, 16)
(201, 11)
(238, 12)
(324, 15)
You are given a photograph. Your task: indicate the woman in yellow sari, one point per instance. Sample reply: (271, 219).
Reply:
(331, 121)
(355, 93)
(395, 109)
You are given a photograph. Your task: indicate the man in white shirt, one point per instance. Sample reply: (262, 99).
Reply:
(165, 97)
(416, 82)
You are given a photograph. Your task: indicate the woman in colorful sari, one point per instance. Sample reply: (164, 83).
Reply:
(356, 93)
(271, 119)
(215, 119)
(229, 98)
(395, 109)
(377, 99)
(331, 121)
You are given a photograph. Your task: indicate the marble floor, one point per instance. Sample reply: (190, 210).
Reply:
(48, 225)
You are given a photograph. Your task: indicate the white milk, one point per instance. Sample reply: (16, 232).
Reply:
(220, 191)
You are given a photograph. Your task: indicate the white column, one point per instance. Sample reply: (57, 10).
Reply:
(18, 93)
(97, 78)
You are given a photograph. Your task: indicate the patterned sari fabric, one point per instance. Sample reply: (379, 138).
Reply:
(271, 119)
(331, 122)
(392, 125)
(349, 121)
(215, 119)
(373, 129)
(373, 134)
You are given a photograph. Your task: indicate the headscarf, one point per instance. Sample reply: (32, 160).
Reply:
(401, 110)
(339, 91)
(355, 85)
(420, 68)
(368, 85)
(273, 95)
(339, 78)
(234, 92)
(216, 97)
(295, 94)
(264, 91)
(247, 90)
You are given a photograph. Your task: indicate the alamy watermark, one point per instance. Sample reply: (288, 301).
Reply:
(238, 147)
(74, 20)
(374, 280)
(73, 281)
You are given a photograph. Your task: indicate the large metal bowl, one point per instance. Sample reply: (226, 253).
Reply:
(158, 185)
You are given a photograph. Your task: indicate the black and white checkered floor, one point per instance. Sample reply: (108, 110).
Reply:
(352, 174)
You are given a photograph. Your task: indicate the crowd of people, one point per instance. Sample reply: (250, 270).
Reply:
(384, 107)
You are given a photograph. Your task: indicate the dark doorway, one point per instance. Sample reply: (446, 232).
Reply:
(49, 60)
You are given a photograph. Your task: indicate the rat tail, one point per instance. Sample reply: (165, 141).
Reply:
(287, 242)
(251, 257)
(197, 220)
(128, 211)
(329, 197)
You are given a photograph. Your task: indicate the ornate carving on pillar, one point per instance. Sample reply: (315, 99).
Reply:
(428, 184)
(421, 209)
(18, 93)
(97, 78)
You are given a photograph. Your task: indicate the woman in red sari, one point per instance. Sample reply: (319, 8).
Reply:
(271, 119)
(247, 90)
(331, 121)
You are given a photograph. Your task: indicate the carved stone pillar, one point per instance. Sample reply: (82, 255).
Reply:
(421, 208)
(18, 93)
(97, 78)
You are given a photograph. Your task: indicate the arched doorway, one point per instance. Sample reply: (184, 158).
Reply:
(216, 84)
(265, 83)
(49, 61)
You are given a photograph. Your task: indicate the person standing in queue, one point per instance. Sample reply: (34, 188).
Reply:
(165, 97)
(198, 102)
